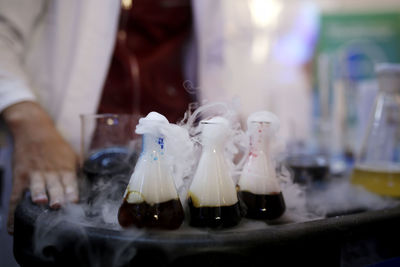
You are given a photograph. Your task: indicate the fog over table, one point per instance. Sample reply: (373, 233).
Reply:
(89, 233)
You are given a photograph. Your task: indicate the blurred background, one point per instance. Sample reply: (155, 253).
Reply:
(309, 61)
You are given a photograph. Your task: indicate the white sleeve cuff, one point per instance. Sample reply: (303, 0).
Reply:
(12, 92)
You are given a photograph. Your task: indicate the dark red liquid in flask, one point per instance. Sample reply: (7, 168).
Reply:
(259, 186)
(151, 199)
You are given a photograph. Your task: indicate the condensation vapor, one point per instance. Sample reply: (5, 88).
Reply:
(63, 235)
(99, 205)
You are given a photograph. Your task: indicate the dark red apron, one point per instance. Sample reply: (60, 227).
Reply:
(146, 71)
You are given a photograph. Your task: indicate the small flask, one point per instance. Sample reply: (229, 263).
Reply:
(212, 196)
(258, 185)
(151, 199)
(377, 167)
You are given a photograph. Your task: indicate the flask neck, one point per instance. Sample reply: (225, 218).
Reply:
(260, 138)
(152, 143)
(214, 136)
(213, 144)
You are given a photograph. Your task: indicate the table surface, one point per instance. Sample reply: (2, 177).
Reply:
(325, 237)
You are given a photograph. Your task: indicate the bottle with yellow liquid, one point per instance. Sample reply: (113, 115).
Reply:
(378, 166)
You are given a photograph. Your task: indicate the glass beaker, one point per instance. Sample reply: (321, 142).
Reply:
(109, 145)
(378, 165)
(309, 159)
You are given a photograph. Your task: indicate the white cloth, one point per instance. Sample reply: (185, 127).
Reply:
(56, 52)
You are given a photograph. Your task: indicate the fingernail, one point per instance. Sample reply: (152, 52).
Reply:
(40, 199)
(56, 204)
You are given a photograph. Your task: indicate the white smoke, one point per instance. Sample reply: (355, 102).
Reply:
(65, 233)
(236, 141)
(99, 205)
(180, 149)
(340, 196)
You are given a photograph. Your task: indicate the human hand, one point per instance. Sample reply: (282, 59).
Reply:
(42, 160)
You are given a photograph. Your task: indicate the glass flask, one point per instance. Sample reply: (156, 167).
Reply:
(212, 196)
(378, 166)
(258, 185)
(151, 199)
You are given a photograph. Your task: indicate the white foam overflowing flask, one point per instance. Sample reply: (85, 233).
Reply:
(151, 199)
(212, 196)
(258, 185)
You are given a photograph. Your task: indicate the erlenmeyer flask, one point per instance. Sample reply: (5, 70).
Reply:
(258, 185)
(378, 165)
(151, 199)
(212, 196)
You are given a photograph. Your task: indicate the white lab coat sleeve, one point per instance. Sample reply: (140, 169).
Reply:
(18, 19)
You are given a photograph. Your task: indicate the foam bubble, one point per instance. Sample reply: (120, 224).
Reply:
(152, 123)
(259, 177)
(151, 182)
(158, 174)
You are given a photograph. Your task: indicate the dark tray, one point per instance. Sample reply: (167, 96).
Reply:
(347, 240)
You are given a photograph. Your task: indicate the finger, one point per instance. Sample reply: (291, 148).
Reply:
(38, 188)
(69, 180)
(19, 185)
(54, 189)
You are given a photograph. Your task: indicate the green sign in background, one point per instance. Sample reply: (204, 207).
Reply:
(349, 46)
(351, 38)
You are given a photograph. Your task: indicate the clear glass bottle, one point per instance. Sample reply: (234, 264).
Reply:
(212, 196)
(258, 185)
(151, 199)
(378, 166)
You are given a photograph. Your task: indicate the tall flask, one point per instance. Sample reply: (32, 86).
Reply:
(151, 199)
(258, 185)
(377, 168)
(212, 196)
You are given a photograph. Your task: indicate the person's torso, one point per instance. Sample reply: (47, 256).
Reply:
(147, 68)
